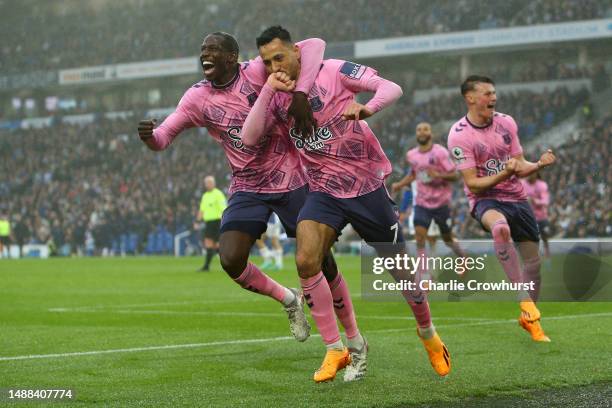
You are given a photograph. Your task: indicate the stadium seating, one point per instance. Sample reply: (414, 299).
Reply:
(110, 32)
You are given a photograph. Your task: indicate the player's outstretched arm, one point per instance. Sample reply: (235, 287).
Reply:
(260, 118)
(525, 168)
(161, 137)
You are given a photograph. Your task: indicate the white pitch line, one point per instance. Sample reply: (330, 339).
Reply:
(270, 339)
(235, 299)
(242, 314)
(164, 312)
(186, 302)
(149, 348)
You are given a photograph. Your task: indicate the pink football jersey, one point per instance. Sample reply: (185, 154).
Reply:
(431, 193)
(487, 149)
(538, 196)
(272, 166)
(342, 158)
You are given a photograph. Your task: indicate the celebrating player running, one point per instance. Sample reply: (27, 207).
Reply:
(346, 169)
(485, 146)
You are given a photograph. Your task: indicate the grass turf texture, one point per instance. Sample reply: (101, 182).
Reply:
(79, 305)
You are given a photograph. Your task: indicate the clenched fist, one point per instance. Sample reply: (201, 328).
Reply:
(547, 159)
(145, 129)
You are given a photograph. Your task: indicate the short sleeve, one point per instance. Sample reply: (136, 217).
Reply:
(446, 161)
(461, 149)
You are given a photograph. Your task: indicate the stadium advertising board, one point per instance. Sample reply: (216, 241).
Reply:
(87, 75)
(542, 33)
(135, 70)
(158, 68)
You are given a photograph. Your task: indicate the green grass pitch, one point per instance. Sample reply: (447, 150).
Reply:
(152, 332)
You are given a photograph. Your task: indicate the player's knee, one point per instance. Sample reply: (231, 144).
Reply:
(233, 261)
(307, 264)
(501, 232)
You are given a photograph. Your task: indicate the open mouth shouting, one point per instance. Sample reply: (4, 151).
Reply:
(209, 69)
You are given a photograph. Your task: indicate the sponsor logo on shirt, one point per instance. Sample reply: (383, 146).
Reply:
(352, 70)
(314, 141)
(234, 135)
(495, 166)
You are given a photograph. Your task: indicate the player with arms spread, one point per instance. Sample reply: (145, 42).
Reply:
(265, 178)
(485, 146)
(346, 169)
(433, 170)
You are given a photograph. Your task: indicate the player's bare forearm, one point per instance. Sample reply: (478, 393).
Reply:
(404, 182)
(478, 185)
(451, 176)
(407, 180)
(527, 168)
(524, 168)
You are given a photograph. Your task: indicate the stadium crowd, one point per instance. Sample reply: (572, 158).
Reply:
(111, 31)
(88, 186)
(96, 188)
(540, 68)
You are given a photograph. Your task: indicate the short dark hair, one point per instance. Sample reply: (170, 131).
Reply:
(270, 33)
(229, 42)
(471, 81)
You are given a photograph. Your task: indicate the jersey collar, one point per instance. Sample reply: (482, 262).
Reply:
(476, 126)
(230, 83)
